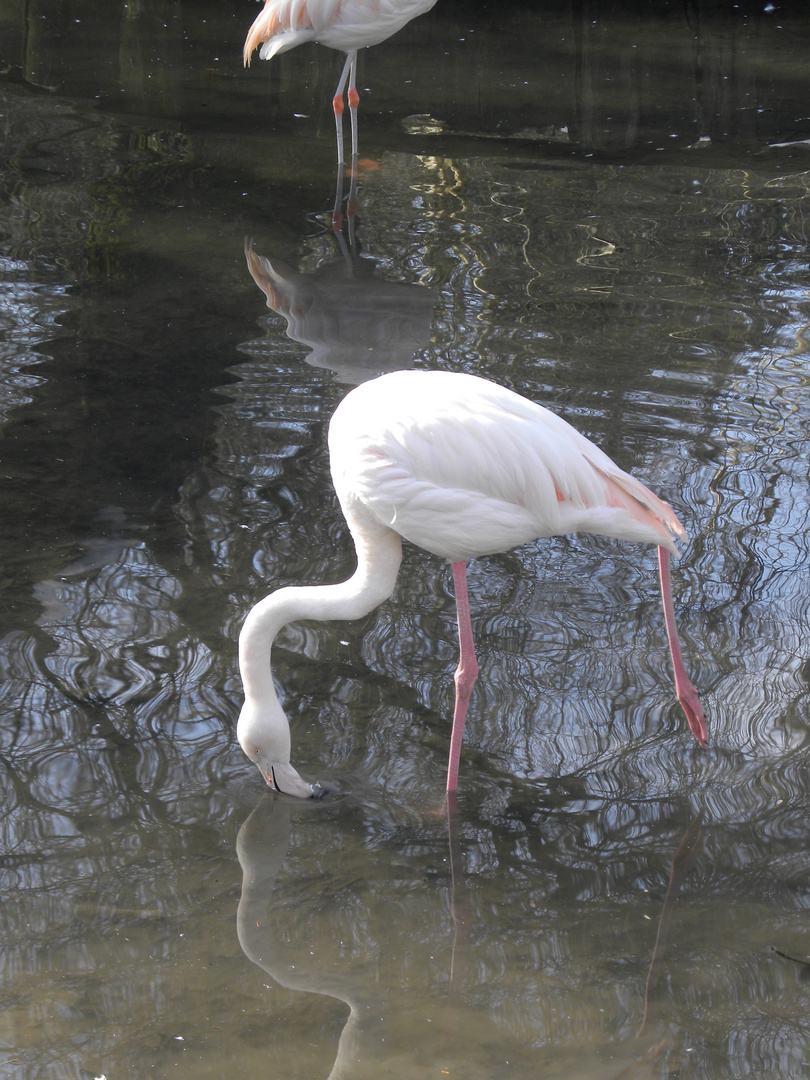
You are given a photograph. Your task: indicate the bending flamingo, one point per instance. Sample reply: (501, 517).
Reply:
(346, 25)
(460, 467)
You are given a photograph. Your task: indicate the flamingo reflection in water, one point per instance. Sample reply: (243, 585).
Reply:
(342, 943)
(407, 1014)
(355, 323)
(460, 467)
(345, 25)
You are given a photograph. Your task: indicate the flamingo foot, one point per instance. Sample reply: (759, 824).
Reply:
(687, 694)
(693, 710)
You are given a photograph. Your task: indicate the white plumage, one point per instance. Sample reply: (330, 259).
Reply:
(346, 25)
(460, 467)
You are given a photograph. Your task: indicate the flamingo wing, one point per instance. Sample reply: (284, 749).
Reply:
(462, 467)
(339, 24)
(283, 24)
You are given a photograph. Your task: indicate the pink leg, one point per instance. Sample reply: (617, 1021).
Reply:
(466, 672)
(349, 73)
(687, 694)
(337, 108)
(337, 104)
(353, 99)
(460, 907)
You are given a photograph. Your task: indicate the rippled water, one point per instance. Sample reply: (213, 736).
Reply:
(609, 215)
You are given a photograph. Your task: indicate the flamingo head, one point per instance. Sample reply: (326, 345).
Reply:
(264, 735)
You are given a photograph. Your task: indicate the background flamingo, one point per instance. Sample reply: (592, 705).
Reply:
(347, 25)
(461, 467)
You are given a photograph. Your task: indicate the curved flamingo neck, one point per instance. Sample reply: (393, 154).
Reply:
(379, 554)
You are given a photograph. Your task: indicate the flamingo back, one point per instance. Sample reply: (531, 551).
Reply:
(463, 467)
(346, 25)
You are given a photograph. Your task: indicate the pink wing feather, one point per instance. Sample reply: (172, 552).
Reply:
(277, 17)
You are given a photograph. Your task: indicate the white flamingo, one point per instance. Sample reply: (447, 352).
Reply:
(346, 25)
(459, 466)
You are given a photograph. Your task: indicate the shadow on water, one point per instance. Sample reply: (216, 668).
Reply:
(606, 211)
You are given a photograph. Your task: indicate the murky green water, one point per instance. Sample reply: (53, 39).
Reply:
(609, 215)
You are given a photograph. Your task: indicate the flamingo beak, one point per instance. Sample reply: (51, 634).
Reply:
(285, 779)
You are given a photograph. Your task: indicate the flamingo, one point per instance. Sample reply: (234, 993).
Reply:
(461, 467)
(346, 25)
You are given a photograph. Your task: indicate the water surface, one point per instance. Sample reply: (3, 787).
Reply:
(609, 215)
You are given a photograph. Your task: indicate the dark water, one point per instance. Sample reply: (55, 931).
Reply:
(608, 211)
